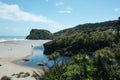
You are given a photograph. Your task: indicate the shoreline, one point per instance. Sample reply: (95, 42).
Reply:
(12, 52)
(27, 57)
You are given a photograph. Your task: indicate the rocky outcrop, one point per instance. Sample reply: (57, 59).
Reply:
(36, 34)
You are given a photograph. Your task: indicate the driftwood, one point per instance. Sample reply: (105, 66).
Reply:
(42, 63)
(25, 59)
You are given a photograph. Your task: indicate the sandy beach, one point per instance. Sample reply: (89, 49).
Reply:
(11, 51)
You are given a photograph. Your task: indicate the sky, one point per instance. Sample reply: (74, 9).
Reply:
(18, 17)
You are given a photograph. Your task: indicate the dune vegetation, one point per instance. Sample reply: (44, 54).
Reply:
(94, 49)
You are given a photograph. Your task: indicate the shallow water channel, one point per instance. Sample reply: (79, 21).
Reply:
(39, 57)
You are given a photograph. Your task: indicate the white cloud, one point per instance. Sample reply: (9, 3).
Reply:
(116, 9)
(59, 3)
(13, 12)
(64, 11)
(67, 10)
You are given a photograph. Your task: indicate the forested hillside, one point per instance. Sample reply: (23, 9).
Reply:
(45, 34)
(94, 50)
(84, 38)
(88, 26)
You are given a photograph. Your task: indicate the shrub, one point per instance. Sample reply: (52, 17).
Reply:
(5, 78)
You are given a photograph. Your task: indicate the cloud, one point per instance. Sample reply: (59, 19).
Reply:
(14, 13)
(59, 3)
(67, 10)
(116, 9)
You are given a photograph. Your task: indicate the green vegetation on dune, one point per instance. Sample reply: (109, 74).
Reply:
(84, 41)
(85, 38)
(94, 51)
(102, 65)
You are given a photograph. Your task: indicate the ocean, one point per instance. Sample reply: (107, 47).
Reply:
(11, 38)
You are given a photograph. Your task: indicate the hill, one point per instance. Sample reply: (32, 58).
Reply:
(87, 26)
(94, 50)
(40, 34)
(84, 38)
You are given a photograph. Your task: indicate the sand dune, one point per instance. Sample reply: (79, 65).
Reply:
(11, 51)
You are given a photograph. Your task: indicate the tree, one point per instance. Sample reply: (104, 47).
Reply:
(117, 30)
(106, 65)
(54, 57)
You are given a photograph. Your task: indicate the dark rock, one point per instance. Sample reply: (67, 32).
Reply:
(26, 59)
(42, 63)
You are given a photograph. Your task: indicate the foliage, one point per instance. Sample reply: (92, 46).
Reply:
(53, 56)
(100, 66)
(5, 78)
(106, 66)
(53, 73)
(94, 49)
(88, 26)
(85, 41)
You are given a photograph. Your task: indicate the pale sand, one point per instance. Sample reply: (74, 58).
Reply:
(11, 51)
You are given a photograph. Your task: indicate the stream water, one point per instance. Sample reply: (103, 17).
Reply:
(39, 57)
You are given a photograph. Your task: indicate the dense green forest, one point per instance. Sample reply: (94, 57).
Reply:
(84, 38)
(87, 26)
(40, 34)
(94, 50)
(85, 41)
(102, 65)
